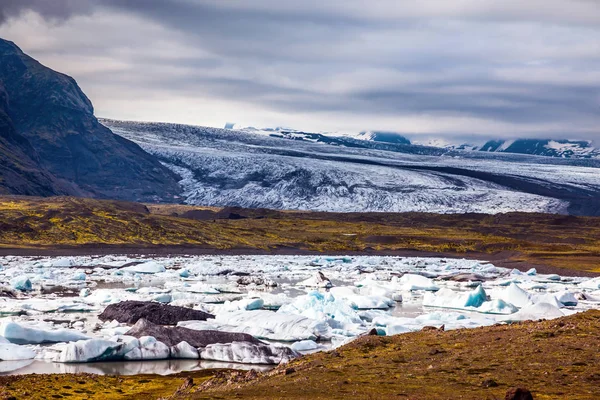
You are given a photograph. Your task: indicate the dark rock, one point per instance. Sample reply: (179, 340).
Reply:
(518, 394)
(172, 336)
(488, 383)
(51, 143)
(129, 312)
(372, 332)
(289, 371)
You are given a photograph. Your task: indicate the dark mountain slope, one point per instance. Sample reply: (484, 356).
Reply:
(20, 170)
(50, 111)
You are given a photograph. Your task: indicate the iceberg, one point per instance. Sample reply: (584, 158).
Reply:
(318, 280)
(19, 334)
(150, 267)
(323, 307)
(89, 350)
(411, 282)
(285, 327)
(304, 345)
(13, 352)
(447, 298)
(184, 350)
(534, 312)
(21, 283)
(247, 353)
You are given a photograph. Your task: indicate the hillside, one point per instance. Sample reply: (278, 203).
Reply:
(52, 143)
(76, 225)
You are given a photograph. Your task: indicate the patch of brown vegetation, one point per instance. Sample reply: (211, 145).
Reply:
(553, 359)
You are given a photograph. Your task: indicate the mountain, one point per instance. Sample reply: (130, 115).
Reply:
(326, 137)
(544, 147)
(561, 148)
(385, 137)
(20, 169)
(52, 144)
(296, 170)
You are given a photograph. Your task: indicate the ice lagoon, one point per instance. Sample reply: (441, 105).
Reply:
(50, 307)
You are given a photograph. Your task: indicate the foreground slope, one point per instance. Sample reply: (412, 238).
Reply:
(300, 171)
(75, 225)
(553, 359)
(52, 116)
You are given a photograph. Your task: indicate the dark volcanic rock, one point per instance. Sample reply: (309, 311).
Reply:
(51, 143)
(172, 336)
(518, 394)
(129, 312)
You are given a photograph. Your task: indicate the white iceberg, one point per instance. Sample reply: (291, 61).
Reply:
(247, 353)
(285, 327)
(150, 267)
(14, 352)
(20, 334)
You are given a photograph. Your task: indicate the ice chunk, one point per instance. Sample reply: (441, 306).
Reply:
(448, 298)
(593, 284)
(285, 327)
(531, 272)
(567, 298)
(318, 280)
(89, 350)
(515, 295)
(21, 283)
(184, 350)
(411, 282)
(150, 267)
(323, 307)
(13, 352)
(534, 312)
(150, 349)
(247, 353)
(497, 306)
(244, 304)
(61, 263)
(305, 345)
(19, 334)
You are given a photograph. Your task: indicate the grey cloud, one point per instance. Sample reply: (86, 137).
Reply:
(382, 59)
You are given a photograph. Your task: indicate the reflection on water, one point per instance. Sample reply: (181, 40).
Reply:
(162, 367)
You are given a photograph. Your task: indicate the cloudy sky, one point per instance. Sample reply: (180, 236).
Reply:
(432, 68)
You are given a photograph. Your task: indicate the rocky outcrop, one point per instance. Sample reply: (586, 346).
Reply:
(51, 143)
(130, 312)
(172, 336)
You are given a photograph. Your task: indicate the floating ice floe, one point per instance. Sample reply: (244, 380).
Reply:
(21, 283)
(285, 327)
(150, 267)
(248, 353)
(19, 334)
(13, 352)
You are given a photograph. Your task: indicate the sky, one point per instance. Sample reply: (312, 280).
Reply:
(460, 69)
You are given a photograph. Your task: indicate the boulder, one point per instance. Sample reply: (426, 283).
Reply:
(518, 394)
(172, 336)
(130, 312)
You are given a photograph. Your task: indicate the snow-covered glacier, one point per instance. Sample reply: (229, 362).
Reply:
(222, 167)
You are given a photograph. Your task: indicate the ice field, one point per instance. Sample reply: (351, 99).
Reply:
(274, 307)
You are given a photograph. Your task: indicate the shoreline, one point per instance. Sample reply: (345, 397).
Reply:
(504, 259)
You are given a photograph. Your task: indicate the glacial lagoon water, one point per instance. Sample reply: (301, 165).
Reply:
(304, 302)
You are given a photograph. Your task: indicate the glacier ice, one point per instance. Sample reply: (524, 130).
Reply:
(19, 334)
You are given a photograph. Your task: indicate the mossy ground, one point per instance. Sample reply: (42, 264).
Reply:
(76, 223)
(555, 359)
(88, 386)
